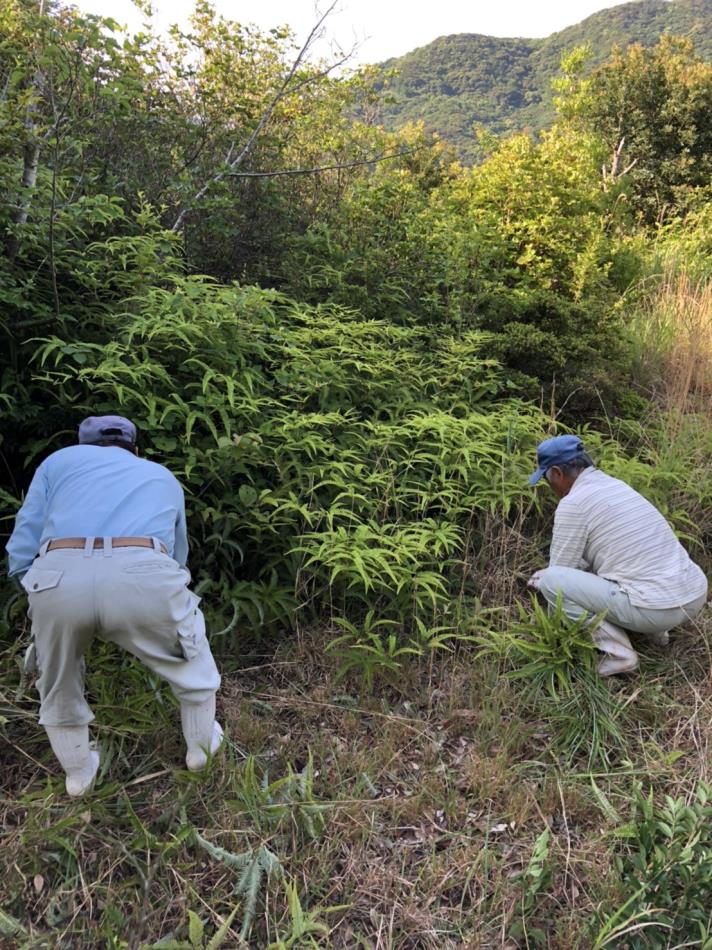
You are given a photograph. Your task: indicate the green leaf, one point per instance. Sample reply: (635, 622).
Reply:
(196, 928)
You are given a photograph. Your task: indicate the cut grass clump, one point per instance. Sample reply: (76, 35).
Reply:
(553, 659)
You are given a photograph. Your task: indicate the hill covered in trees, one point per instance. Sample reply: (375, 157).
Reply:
(504, 84)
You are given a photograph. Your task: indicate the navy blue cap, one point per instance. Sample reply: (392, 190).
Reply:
(107, 429)
(556, 451)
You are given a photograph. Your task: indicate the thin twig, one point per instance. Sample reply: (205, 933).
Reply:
(300, 701)
(285, 88)
(320, 168)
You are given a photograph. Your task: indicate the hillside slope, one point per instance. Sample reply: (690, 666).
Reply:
(504, 84)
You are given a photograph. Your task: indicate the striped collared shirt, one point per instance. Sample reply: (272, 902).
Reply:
(604, 526)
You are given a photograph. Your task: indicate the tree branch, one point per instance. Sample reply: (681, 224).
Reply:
(285, 88)
(321, 168)
(30, 165)
(612, 175)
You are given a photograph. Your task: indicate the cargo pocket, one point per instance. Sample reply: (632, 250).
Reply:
(191, 632)
(38, 579)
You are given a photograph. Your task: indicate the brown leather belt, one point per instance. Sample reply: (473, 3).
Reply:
(99, 543)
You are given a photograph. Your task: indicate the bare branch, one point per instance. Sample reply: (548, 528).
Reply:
(325, 72)
(612, 175)
(285, 88)
(322, 168)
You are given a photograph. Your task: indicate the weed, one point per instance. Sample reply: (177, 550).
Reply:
(535, 880)
(256, 866)
(286, 801)
(197, 939)
(553, 657)
(303, 925)
(371, 652)
(545, 647)
(667, 871)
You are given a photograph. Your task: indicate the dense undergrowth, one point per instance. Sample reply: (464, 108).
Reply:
(350, 377)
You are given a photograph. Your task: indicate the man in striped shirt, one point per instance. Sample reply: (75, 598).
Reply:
(613, 552)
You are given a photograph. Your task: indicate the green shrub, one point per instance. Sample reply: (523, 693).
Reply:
(665, 874)
(326, 458)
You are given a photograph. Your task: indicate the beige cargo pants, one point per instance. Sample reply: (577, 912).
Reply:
(583, 592)
(137, 598)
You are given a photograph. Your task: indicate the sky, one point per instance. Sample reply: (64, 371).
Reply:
(379, 28)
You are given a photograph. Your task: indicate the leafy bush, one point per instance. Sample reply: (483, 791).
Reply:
(665, 873)
(330, 461)
(518, 247)
(326, 457)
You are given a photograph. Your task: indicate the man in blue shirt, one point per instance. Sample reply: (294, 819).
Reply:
(100, 546)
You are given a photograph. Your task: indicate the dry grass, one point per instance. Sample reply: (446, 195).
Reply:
(433, 794)
(674, 330)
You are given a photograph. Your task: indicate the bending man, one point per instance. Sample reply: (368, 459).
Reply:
(100, 546)
(613, 552)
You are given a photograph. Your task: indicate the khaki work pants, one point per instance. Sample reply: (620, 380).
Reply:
(137, 598)
(583, 592)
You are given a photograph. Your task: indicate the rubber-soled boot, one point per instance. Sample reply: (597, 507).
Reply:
(661, 639)
(614, 642)
(201, 732)
(80, 763)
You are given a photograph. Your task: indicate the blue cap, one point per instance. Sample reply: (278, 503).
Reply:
(107, 429)
(556, 451)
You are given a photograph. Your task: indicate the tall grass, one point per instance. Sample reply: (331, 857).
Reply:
(673, 329)
(672, 326)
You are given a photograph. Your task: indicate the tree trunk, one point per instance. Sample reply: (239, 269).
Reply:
(31, 161)
(29, 177)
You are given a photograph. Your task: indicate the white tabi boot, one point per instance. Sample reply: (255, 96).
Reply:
(201, 732)
(620, 655)
(661, 639)
(80, 763)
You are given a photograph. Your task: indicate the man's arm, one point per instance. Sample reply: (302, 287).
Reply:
(180, 548)
(568, 541)
(24, 543)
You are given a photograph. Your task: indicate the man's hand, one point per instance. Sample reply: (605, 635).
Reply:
(534, 581)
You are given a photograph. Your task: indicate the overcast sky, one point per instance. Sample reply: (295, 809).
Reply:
(382, 28)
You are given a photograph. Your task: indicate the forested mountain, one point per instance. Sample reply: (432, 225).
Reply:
(504, 84)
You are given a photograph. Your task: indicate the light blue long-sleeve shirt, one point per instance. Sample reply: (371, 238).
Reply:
(98, 491)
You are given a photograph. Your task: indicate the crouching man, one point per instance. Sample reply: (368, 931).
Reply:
(100, 546)
(613, 552)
